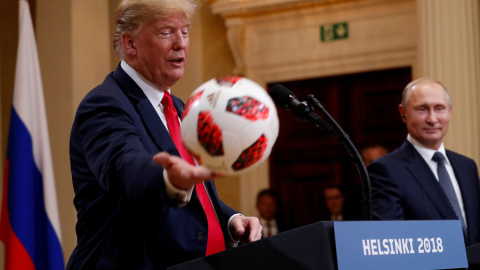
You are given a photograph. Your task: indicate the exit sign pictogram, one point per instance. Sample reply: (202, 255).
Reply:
(334, 31)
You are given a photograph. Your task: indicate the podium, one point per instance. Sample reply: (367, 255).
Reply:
(473, 255)
(311, 247)
(356, 244)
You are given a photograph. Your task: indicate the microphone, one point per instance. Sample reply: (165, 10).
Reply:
(286, 99)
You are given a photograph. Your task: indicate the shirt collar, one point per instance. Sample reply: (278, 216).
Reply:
(153, 94)
(425, 152)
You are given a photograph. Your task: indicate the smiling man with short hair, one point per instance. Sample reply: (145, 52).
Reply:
(422, 180)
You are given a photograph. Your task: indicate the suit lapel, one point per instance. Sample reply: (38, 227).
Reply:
(151, 121)
(178, 104)
(462, 173)
(424, 176)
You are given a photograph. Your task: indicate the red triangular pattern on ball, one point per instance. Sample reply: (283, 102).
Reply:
(190, 101)
(228, 80)
(209, 134)
(248, 108)
(252, 154)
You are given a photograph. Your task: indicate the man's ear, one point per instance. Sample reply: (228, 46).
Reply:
(401, 109)
(128, 45)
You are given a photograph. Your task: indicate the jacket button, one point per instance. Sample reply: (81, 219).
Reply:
(199, 235)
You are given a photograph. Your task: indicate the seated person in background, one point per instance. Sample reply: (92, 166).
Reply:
(373, 151)
(267, 206)
(334, 201)
(340, 205)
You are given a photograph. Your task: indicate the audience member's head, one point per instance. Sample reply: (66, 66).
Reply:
(334, 199)
(267, 204)
(372, 152)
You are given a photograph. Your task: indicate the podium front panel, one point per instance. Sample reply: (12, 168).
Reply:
(310, 247)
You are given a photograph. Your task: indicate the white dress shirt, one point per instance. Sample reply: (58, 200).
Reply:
(269, 225)
(155, 97)
(427, 155)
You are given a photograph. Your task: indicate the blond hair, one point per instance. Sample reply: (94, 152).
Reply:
(131, 15)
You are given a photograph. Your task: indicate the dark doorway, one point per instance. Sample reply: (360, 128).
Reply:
(305, 159)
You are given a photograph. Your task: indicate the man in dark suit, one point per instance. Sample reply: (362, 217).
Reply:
(139, 205)
(411, 182)
(339, 204)
(269, 213)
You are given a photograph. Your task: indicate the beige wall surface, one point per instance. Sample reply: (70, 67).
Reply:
(54, 42)
(75, 51)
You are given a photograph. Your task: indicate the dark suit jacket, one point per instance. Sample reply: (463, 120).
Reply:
(125, 220)
(404, 187)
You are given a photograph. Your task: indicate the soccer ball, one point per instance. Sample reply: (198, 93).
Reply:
(230, 125)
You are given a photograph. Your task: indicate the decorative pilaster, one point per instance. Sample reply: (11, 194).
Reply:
(236, 41)
(449, 52)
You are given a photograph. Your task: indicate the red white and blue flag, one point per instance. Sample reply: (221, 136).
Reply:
(29, 227)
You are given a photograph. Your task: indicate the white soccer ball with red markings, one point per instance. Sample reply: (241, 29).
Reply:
(230, 125)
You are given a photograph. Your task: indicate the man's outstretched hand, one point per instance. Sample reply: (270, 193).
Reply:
(182, 174)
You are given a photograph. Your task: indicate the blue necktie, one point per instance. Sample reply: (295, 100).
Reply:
(446, 183)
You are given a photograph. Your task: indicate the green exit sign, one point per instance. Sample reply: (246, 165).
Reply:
(334, 31)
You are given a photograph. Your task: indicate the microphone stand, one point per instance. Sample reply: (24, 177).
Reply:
(336, 130)
(305, 111)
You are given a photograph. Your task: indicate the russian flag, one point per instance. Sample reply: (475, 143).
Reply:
(29, 227)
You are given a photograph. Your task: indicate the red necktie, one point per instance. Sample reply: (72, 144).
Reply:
(215, 241)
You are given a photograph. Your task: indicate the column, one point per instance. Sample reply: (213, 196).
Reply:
(449, 52)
